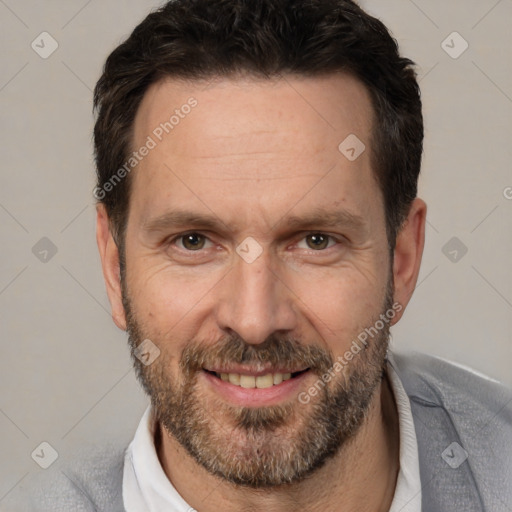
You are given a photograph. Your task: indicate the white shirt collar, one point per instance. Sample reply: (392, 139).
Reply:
(146, 487)
(407, 496)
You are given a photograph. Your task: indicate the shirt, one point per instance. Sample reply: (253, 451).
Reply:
(146, 487)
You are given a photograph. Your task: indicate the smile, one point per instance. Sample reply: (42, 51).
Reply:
(255, 388)
(260, 381)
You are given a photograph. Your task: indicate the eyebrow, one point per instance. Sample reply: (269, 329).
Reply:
(316, 219)
(326, 218)
(178, 218)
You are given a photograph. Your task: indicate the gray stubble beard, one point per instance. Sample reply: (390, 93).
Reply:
(267, 446)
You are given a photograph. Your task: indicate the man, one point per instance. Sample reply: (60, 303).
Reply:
(260, 233)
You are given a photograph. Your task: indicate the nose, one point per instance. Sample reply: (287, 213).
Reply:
(254, 301)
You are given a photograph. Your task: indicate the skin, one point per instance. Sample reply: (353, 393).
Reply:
(252, 154)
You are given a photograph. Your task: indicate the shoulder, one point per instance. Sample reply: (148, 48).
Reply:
(463, 423)
(89, 480)
(437, 382)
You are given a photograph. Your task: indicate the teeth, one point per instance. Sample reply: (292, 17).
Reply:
(234, 378)
(264, 381)
(247, 381)
(250, 382)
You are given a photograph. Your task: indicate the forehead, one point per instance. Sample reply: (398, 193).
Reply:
(247, 139)
(240, 107)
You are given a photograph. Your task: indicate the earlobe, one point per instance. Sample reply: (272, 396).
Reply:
(408, 253)
(109, 255)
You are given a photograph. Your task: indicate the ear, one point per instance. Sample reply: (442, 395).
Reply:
(407, 255)
(109, 255)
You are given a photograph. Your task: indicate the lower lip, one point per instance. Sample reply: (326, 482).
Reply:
(255, 397)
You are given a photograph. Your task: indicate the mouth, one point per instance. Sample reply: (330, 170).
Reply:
(256, 380)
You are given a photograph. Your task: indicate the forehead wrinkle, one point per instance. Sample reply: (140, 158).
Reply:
(256, 178)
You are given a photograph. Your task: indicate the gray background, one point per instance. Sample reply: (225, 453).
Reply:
(65, 373)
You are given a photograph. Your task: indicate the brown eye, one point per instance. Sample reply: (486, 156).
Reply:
(317, 241)
(193, 241)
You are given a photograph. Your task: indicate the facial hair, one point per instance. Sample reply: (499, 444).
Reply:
(260, 447)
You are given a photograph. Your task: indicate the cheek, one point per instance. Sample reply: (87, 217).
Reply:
(339, 305)
(167, 300)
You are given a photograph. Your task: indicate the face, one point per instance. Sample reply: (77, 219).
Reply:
(256, 254)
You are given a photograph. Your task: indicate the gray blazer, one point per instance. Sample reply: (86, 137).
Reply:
(449, 405)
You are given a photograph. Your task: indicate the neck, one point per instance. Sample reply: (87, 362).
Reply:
(360, 477)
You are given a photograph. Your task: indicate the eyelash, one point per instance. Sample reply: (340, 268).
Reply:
(337, 241)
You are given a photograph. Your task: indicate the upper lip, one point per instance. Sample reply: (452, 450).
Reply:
(253, 371)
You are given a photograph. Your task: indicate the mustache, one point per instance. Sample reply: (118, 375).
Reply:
(279, 351)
